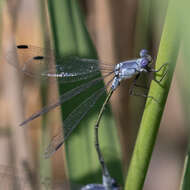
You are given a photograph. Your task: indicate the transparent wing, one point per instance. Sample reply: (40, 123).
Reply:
(63, 98)
(39, 62)
(72, 121)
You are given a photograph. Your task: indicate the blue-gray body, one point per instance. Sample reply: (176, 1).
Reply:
(108, 184)
(128, 69)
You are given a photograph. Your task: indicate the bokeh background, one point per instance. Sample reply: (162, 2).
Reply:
(118, 29)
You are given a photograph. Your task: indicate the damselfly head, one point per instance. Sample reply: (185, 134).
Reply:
(146, 58)
(143, 53)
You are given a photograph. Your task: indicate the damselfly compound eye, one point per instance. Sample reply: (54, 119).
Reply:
(144, 62)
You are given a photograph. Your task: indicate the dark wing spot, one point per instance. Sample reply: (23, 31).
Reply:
(22, 47)
(58, 146)
(38, 57)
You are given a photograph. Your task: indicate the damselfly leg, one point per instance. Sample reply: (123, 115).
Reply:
(134, 83)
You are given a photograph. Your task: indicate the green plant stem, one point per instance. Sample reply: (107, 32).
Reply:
(185, 183)
(153, 111)
(71, 38)
(184, 88)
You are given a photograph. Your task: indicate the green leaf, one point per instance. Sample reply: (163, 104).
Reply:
(71, 38)
(152, 115)
(184, 86)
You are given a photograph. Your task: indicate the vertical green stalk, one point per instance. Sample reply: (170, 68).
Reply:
(143, 24)
(184, 87)
(185, 183)
(152, 115)
(71, 38)
(44, 164)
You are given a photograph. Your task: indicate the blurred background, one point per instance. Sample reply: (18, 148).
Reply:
(119, 30)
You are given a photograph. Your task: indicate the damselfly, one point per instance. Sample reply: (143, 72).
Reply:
(33, 62)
